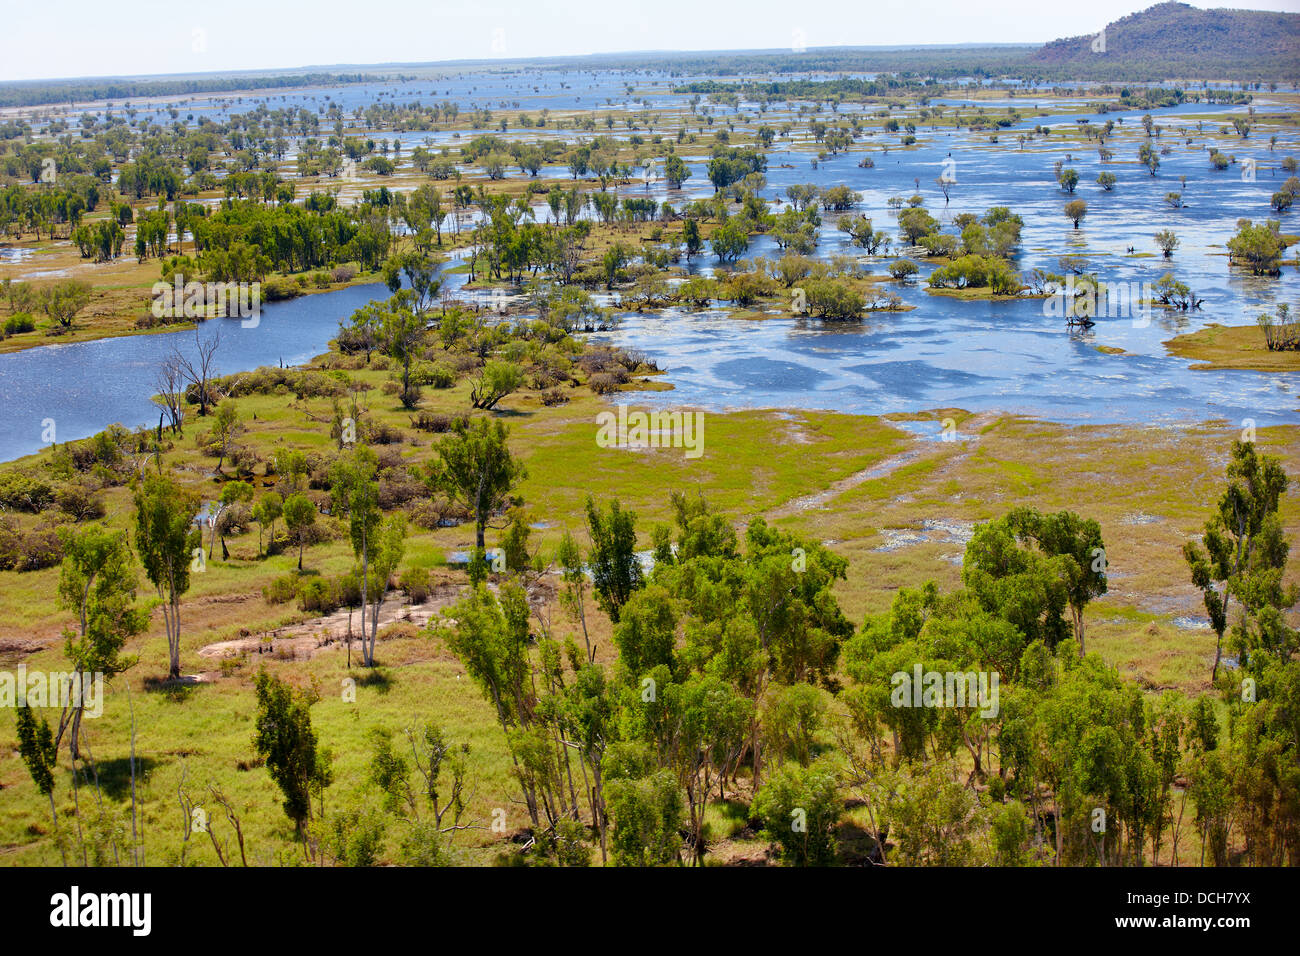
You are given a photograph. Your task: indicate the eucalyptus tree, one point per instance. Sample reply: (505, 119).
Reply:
(169, 543)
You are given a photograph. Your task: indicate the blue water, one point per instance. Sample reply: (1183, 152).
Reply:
(1002, 355)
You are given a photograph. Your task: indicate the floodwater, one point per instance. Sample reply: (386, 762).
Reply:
(1007, 355)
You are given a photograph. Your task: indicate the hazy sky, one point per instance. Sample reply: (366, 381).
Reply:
(59, 38)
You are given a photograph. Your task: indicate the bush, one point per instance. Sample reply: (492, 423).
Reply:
(806, 795)
(603, 383)
(38, 549)
(380, 433)
(21, 491)
(433, 374)
(438, 512)
(22, 322)
(282, 590)
(397, 487)
(902, 269)
(80, 501)
(274, 290)
(833, 300)
(319, 596)
(415, 582)
(436, 422)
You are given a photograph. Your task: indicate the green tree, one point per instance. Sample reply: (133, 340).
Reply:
(474, 467)
(1079, 556)
(40, 753)
(355, 492)
(1075, 210)
(1243, 553)
(233, 493)
(800, 808)
(615, 568)
(268, 510)
(284, 738)
(96, 582)
(167, 538)
(647, 815)
(495, 381)
(300, 518)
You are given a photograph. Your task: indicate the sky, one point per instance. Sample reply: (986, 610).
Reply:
(67, 38)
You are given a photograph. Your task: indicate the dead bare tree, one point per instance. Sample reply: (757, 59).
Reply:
(170, 383)
(197, 370)
(233, 818)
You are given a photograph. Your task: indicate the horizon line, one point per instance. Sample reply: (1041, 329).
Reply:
(507, 61)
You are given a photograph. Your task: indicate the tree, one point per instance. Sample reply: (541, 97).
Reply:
(800, 808)
(64, 300)
(198, 371)
(691, 238)
(730, 240)
(1081, 557)
(166, 536)
(647, 815)
(1075, 210)
(676, 171)
(1149, 158)
(495, 381)
(97, 582)
(40, 753)
(615, 567)
(401, 336)
(267, 511)
(170, 383)
(1106, 181)
(1242, 551)
(1069, 180)
(355, 492)
(283, 737)
(232, 494)
(387, 549)
(1258, 246)
(902, 269)
(915, 223)
(1167, 242)
(300, 518)
(475, 468)
(224, 429)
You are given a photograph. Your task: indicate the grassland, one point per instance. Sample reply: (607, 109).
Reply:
(898, 506)
(1232, 346)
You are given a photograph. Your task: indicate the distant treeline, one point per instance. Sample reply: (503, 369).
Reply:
(803, 89)
(940, 63)
(42, 92)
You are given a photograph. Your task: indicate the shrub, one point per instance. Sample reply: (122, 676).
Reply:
(21, 491)
(319, 596)
(274, 290)
(22, 322)
(833, 300)
(436, 422)
(603, 383)
(281, 590)
(415, 582)
(41, 548)
(80, 501)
